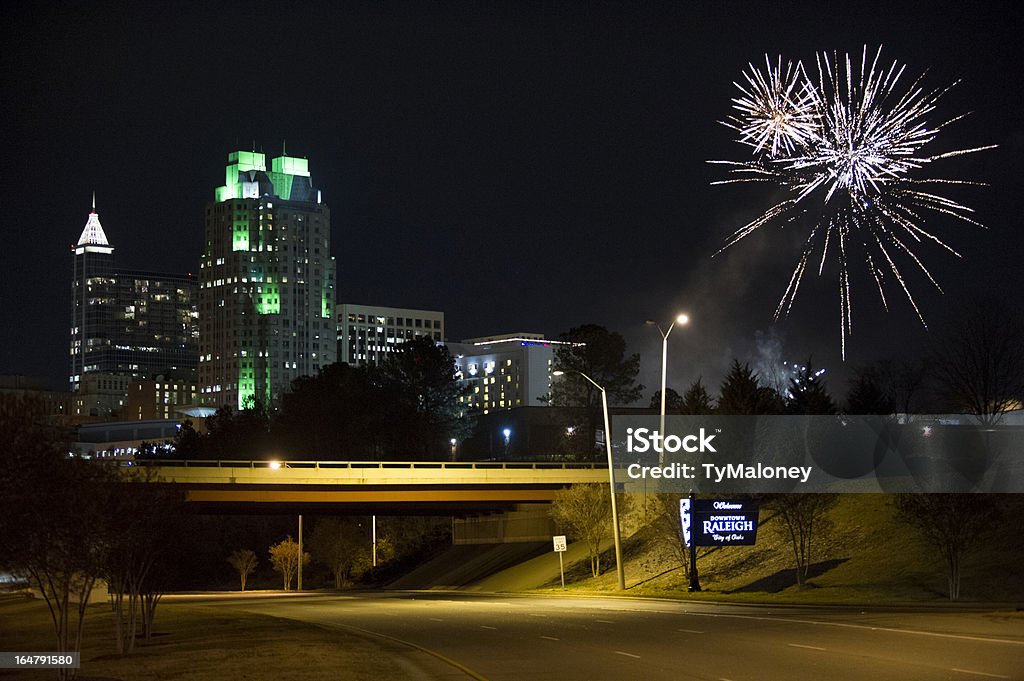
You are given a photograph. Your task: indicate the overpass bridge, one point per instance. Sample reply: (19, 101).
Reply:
(370, 487)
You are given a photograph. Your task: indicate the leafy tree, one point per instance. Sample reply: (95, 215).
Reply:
(419, 384)
(339, 413)
(188, 442)
(673, 401)
(696, 401)
(244, 561)
(742, 394)
(600, 354)
(243, 434)
(978, 365)
(807, 393)
(284, 557)
(805, 517)
(952, 523)
(586, 512)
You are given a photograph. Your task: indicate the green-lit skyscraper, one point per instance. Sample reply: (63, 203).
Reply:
(266, 282)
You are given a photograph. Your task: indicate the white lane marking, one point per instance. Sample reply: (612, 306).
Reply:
(549, 638)
(536, 614)
(484, 626)
(971, 671)
(848, 625)
(619, 652)
(605, 621)
(690, 631)
(797, 645)
(724, 679)
(434, 619)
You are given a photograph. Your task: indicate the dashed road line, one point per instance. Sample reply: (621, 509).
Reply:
(798, 645)
(484, 626)
(619, 652)
(986, 674)
(605, 621)
(690, 631)
(549, 638)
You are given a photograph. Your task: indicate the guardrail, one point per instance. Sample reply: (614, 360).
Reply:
(406, 465)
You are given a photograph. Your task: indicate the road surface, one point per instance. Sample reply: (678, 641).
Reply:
(503, 637)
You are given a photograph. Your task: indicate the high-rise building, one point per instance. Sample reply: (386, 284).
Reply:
(366, 333)
(267, 281)
(127, 322)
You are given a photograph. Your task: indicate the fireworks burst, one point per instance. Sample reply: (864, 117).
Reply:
(847, 143)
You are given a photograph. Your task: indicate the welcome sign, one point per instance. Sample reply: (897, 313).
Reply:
(719, 522)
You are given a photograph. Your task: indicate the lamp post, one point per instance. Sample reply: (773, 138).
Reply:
(682, 320)
(611, 477)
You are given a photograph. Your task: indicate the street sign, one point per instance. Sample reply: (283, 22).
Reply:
(559, 541)
(719, 522)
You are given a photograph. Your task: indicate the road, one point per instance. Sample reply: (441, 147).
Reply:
(503, 637)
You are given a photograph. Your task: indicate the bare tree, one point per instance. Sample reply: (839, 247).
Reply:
(668, 530)
(804, 517)
(586, 512)
(978, 365)
(952, 523)
(53, 520)
(343, 545)
(143, 512)
(284, 556)
(244, 561)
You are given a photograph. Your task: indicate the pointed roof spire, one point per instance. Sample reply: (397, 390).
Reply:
(284, 147)
(93, 234)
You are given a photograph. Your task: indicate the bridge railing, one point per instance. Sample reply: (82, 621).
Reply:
(317, 465)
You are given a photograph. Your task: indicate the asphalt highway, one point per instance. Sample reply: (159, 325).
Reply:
(510, 638)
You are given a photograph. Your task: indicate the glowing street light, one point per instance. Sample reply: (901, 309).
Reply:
(611, 476)
(682, 320)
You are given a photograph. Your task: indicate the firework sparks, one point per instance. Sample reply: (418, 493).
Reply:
(847, 144)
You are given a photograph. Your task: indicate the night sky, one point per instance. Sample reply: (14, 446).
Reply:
(520, 166)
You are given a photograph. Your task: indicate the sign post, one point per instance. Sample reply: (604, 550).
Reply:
(694, 578)
(560, 545)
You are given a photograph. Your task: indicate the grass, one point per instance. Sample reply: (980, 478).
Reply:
(868, 557)
(198, 643)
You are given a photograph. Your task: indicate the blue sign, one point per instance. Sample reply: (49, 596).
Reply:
(718, 522)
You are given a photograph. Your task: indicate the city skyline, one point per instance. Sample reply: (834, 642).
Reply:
(517, 169)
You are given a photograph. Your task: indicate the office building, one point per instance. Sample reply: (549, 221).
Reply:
(266, 282)
(127, 322)
(163, 397)
(366, 333)
(505, 371)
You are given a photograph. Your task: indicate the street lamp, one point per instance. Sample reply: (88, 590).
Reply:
(611, 476)
(507, 433)
(682, 320)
